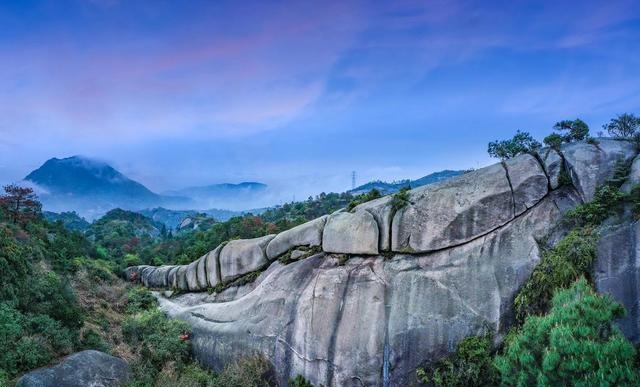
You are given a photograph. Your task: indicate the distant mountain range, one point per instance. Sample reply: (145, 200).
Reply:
(393, 187)
(91, 188)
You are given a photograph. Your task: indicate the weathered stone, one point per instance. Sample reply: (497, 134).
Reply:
(145, 273)
(617, 272)
(553, 165)
(82, 369)
(382, 212)
(351, 233)
(528, 181)
(172, 280)
(201, 272)
(634, 176)
(159, 278)
(181, 278)
(590, 166)
(192, 276)
(453, 212)
(242, 256)
(307, 234)
(213, 266)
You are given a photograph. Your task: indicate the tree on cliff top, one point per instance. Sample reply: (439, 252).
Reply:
(522, 142)
(624, 126)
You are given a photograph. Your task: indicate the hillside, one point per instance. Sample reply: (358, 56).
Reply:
(393, 187)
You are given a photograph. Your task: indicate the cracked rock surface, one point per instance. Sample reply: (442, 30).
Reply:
(458, 253)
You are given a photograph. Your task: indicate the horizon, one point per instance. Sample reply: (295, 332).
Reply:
(299, 96)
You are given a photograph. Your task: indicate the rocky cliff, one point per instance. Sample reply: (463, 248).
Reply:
(362, 298)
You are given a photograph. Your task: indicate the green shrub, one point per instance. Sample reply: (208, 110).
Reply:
(607, 201)
(140, 299)
(574, 130)
(300, 381)
(575, 345)
(571, 258)
(554, 140)
(366, 197)
(470, 365)
(132, 260)
(4, 378)
(400, 199)
(157, 337)
(92, 340)
(250, 371)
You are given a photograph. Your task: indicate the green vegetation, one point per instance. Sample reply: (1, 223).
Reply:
(575, 344)
(300, 381)
(522, 142)
(400, 199)
(367, 197)
(574, 130)
(470, 365)
(570, 259)
(624, 126)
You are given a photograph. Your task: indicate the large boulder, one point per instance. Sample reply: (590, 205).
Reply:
(212, 266)
(349, 324)
(350, 233)
(83, 369)
(243, 256)
(307, 234)
(453, 212)
(591, 165)
(382, 211)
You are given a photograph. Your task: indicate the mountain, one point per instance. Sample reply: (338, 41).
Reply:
(70, 219)
(393, 187)
(91, 188)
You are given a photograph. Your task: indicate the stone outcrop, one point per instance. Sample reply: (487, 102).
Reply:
(351, 233)
(454, 258)
(242, 256)
(307, 234)
(82, 369)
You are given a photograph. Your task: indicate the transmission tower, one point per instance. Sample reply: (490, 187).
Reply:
(353, 180)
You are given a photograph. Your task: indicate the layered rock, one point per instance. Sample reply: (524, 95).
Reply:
(458, 251)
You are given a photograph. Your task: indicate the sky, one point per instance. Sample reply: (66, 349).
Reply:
(300, 94)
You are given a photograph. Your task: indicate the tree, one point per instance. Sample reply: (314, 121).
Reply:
(554, 140)
(20, 203)
(623, 126)
(522, 142)
(576, 344)
(576, 130)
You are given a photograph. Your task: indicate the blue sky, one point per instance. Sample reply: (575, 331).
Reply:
(299, 94)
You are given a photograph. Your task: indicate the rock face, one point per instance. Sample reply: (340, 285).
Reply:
(454, 258)
(82, 369)
(617, 273)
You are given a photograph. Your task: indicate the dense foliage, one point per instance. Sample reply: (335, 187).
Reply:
(520, 143)
(470, 365)
(575, 344)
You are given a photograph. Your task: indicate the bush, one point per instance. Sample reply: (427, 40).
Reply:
(470, 365)
(606, 202)
(367, 197)
(400, 199)
(300, 381)
(156, 337)
(576, 344)
(571, 258)
(140, 299)
(522, 142)
(251, 371)
(554, 140)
